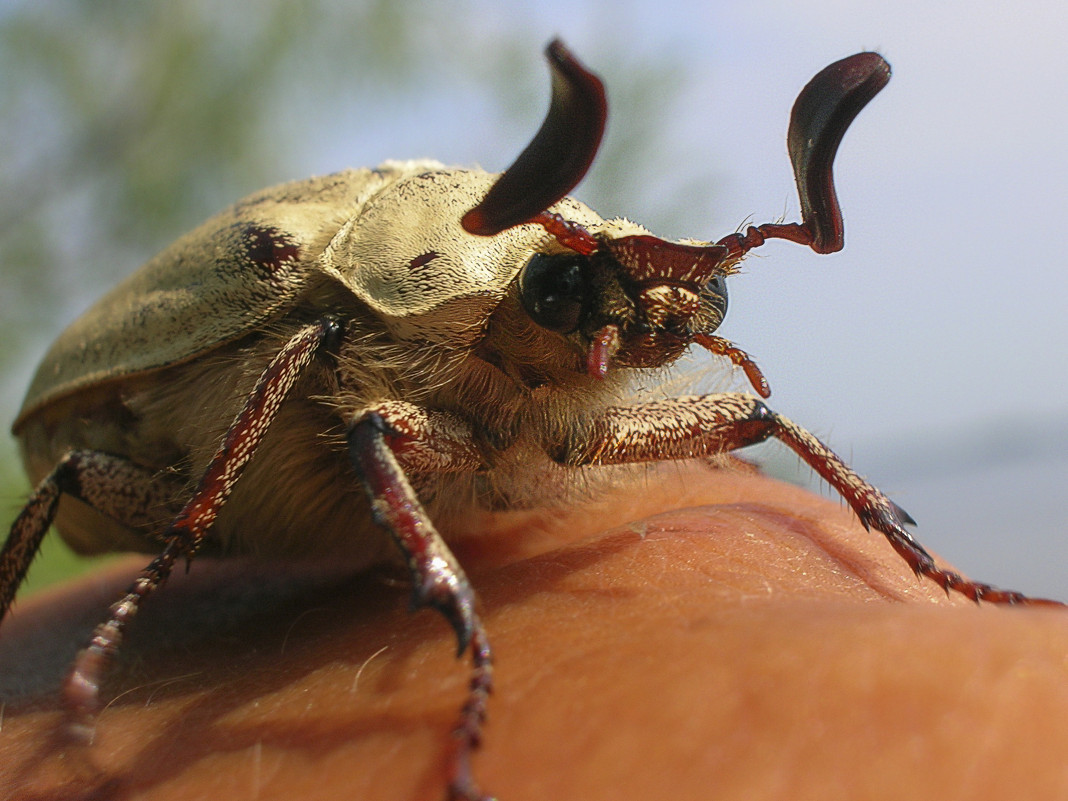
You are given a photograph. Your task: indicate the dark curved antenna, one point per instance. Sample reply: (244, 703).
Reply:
(558, 156)
(821, 115)
(822, 112)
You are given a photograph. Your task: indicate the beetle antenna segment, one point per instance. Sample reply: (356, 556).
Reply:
(822, 113)
(570, 234)
(724, 347)
(557, 157)
(819, 119)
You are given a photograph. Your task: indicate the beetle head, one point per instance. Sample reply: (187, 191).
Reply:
(633, 299)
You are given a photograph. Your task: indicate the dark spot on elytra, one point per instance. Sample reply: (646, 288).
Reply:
(268, 248)
(423, 259)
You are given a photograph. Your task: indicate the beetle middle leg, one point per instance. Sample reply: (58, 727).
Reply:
(188, 529)
(379, 440)
(689, 427)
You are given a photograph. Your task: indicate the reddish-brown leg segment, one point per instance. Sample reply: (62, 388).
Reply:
(186, 532)
(375, 440)
(110, 484)
(697, 426)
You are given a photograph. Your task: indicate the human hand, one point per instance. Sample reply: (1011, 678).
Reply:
(752, 642)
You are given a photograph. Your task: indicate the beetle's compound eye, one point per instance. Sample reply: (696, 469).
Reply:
(552, 290)
(715, 293)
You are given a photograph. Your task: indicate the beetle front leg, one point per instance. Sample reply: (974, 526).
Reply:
(698, 426)
(378, 441)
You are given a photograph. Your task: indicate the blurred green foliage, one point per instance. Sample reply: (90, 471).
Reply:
(126, 122)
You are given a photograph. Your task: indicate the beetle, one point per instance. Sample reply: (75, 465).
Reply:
(439, 336)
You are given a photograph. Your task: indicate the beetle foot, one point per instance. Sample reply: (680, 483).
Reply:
(887, 517)
(467, 736)
(81, 690)
(977, 591)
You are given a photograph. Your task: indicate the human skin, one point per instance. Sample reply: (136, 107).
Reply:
(743, 639)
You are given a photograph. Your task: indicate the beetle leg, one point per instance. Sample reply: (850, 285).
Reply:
(426, 440)
(187, 530)
(377, 441)
(698, 426)
(110, 484)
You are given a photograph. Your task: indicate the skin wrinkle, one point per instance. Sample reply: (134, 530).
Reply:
(840, 559)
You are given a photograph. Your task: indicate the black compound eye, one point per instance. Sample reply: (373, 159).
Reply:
(715, 292)
(552, 289)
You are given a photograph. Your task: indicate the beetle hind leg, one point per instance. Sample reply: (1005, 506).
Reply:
(28, 530)
(112, 485)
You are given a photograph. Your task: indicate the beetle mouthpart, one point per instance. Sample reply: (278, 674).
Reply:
(653, 298)
(724, 347)
(604, 345)
(651, 328)
(558, 156)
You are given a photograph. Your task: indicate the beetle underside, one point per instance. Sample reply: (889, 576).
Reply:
(596, 303)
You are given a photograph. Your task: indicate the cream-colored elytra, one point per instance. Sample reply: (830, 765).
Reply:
(390, 236)
(158, 368)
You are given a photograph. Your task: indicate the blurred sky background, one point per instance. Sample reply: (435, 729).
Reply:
(930, 353)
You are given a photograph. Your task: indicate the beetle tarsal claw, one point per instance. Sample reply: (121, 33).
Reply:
(903, 517)
(453, 598)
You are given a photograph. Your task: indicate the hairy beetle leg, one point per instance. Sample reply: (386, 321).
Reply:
(110, 484)
(877, 511)
(438, 579)
(433, 441)
(186, 532)
(696, 426)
